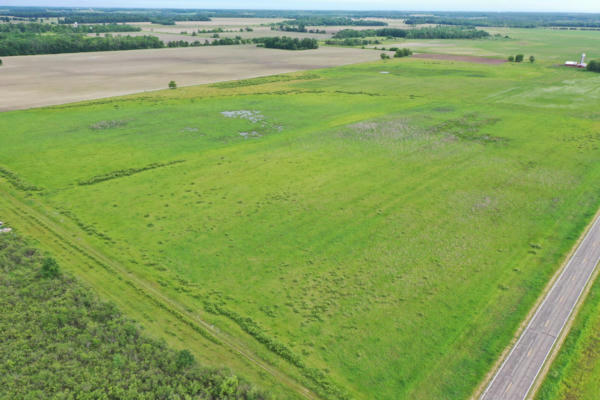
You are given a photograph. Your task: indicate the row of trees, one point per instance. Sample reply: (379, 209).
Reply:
(29, 44)
(295, 28)
(54, 28)
(287, 43)
(510, 19)
(333, 21)
(16, 45)
(438, 32)
(513, 20)
(399, 53)
(519, 58)
(351, 42)
(59, 341)
(164, 18)
(218, 42)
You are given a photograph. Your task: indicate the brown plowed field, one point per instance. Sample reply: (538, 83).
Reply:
(42, 80)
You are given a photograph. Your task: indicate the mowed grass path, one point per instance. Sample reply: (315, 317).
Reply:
(388, 230)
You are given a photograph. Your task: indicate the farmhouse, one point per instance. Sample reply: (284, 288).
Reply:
(575, 64)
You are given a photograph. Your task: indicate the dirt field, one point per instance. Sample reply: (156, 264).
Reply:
(224, 23)
(450, 57)
(35, 81)
(260, 31)
(165, 37)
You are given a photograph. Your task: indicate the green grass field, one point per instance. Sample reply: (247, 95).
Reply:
(549, 45)
(575, 374)
(371, 235)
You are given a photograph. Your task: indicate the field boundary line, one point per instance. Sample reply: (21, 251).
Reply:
(491, 375)
(171, 306)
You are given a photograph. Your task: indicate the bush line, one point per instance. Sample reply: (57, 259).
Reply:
(264, 80)
(17, 182)
(323, 385)
(125, 172)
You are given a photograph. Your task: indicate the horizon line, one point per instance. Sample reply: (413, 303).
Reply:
(300, 9)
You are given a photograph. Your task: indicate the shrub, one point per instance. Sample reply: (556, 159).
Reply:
(172, 85)
(594, 66)
(531, 59)
(384, 56)
(519, 58)
(511, 58)
(402, 53)
(287, 43)
(50, 268)
(184, 359)
(0, 62)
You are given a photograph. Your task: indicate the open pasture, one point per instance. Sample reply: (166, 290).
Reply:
(375, 231)
(547, 45)
(34, 81)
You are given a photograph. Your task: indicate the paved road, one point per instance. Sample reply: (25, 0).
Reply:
(517, 374)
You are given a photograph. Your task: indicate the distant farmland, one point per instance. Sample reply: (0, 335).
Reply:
(373, 231)
(34, 81)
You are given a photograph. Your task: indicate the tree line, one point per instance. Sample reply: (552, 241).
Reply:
(511, 20)
(332, 21)
(438, 32)
(351, 42)
(508, 19)
(54, 28)
(28, 44)
(295, 28)
(287, 43)
(60, 341)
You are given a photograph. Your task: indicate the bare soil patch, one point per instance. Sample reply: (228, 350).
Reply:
(42, 80)
(451, 57)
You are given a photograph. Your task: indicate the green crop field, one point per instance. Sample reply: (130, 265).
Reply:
(575, 374)
(375, 231)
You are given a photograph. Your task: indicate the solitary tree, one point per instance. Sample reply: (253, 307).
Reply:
(384, 56)
(531, 59)
(172, 85)
(519, 58)
(511, 58)
(0, 62)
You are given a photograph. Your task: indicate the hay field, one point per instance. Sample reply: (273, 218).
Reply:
(34, 81)
(370, 235)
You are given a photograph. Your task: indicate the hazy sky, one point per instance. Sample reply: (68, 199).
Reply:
(462, 5)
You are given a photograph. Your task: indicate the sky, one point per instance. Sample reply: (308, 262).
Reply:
(421, 5)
